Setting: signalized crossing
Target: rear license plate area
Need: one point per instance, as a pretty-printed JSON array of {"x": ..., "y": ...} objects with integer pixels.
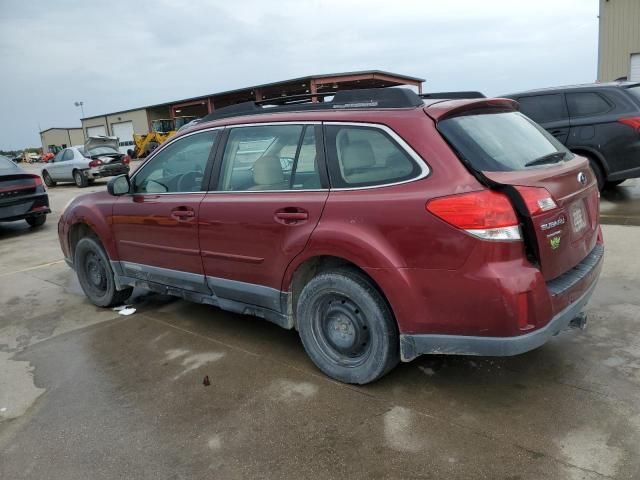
[{"x": 578, "y": 216}]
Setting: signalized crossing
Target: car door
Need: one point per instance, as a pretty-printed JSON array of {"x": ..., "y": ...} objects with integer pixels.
[
  {"x": 66, "y": 165},
  {"x": 155, "y": 226},
  {"x": 268, "y": 196},
  {"x": 53, "y": 168},
  {"x": 550, "y": 111}
]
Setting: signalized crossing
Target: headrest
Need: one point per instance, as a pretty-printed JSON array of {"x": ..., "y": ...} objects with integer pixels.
[
  {"x": 267, "y": 171},
  {"x": 358, "y": 154}
]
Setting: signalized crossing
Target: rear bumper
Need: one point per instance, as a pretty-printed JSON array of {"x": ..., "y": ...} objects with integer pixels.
[
  {"x": 102, "y": 172},
  {"x": 23, "y": 207},
  {"x": 412, "y": 346}
]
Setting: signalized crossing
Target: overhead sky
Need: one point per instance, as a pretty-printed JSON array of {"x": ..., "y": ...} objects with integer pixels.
[{"x": 122, "y": 54}]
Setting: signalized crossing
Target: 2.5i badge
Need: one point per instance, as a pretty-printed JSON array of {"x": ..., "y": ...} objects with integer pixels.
[{"x": 554, "y": 242}]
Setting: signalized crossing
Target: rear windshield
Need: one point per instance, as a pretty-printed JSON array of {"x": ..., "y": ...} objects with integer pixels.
[
  {"x": 502, "y": 142},
  {"x": 7, "y": 164}
]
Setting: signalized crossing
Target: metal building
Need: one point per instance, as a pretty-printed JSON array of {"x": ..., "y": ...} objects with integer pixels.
[
  {"x": 619, "y": 40},
  {"x": 54, "y": 139},
  {"x": 124, "y": 124}
]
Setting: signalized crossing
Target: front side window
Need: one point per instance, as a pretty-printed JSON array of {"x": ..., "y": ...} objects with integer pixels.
[
  {"x": 366, "y": 156},
  {"x": 582, "y": 104},
  {"x": 502, "y": 141},
  {"x": 544, "y": 108},
  {"x": 58, "y": 157},
  {"x": 270, "y": 157},
  {"x": 68, "y": 155},
  {"x": 177, "y": 168}
]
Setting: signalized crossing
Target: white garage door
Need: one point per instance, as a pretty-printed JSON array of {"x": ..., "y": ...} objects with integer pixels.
[
  {"x": 124, "y": 132},
  {"x": 634, "y": 70},
  {"x": 96, "y": 131}
]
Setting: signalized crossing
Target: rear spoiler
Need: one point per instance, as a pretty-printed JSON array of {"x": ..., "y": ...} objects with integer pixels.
[{"x": 452, "y": 108}]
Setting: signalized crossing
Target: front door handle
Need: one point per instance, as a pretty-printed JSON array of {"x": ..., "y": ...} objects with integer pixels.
[
  {"x": 291, "y": 215},
  {"x": 183, "y": 213}
]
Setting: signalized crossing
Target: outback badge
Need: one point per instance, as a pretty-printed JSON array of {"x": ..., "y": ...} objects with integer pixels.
[{"x": 555, "y": 242}]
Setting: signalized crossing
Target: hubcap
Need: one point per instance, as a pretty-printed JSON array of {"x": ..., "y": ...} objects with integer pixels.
[
  {"x": 96, "y": 273},
  {"x": 342, "y": 330}
]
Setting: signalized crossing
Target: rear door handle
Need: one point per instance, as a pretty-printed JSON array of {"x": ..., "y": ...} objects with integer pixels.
[
  {"x": 291, "y": 215},
  {"x": 183, "y": 213}
]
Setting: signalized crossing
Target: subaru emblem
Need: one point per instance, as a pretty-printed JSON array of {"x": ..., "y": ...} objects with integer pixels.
[{"x": 582, "y": 178}]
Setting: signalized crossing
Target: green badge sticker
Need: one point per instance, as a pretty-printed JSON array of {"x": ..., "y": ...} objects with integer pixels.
[{"x": 555, "y": 242}]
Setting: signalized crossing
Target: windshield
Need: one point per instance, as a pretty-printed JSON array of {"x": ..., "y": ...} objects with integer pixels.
[
  {"x": 502, "y": 142},
  {"x": 101, "y": 151}
]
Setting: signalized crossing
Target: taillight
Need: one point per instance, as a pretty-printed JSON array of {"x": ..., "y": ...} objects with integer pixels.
[
  {"x": 537, "y": 199},
  {"x": 37, "y": 180},
  {"x": 485, "y": 214},
  {"x": 95, "y": 163},
  {"x": 633, "y": 122}
]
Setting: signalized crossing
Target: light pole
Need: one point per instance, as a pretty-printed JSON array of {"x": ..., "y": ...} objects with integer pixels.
[{"x": 80, "y": 104}]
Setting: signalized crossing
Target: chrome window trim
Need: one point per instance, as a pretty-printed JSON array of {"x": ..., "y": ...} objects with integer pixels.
[{"x": 422, "y": 164}]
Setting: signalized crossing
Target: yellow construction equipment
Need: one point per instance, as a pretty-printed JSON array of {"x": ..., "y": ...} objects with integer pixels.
[{"x": 161, "y": 130}]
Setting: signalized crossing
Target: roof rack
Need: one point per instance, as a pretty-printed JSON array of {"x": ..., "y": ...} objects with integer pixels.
[
  {"x": 452, "y": 95},
  {"x": 344, "y": 99}
]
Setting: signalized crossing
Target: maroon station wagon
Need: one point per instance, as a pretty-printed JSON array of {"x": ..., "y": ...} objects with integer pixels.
[{"x": 380, "y": 225}]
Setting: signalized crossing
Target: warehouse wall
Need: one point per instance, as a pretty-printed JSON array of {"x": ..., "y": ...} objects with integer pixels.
[
  {"x": 619, "y": 37},
  {"x": 138, "y": 117},
  {"x": 60, "y": 137}
]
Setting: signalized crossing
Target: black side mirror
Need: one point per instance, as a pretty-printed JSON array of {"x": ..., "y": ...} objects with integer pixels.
[{"x": 119, "y": 185}]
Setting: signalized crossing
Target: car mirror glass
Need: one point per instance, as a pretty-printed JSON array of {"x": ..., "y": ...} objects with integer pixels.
[{"x": 119, "y": 185}]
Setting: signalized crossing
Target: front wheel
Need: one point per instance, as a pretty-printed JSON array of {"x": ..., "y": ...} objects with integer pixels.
[
  {"x": 80, "y": 180},
  {"x": 347, "y": 328},
  {"x": 48, "y": 181},
  {"x": 95, "y": 274}
]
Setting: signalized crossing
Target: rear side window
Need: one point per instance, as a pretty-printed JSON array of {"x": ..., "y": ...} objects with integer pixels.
[
  {"x": 270, "y": 157},
  {"x": 68, "y": 155},
  {"x": 544, "y": 108},
  {"x": 366, "y": 156},
  {"x": 582, "y": 104},
  {"x": 501, "y": 142}
]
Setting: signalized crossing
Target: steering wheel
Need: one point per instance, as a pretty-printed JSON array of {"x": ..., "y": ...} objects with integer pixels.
[{"x": 188, "y": 182}]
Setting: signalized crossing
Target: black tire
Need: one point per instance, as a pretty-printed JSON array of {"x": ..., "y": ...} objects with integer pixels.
[
  {"x": 36, "y": 221},
  {"x": 612, "y": 183},
  {"x": 48, "y": 181},
  {"x": 80, "y": 179},
  {"x": 347, "y": 328},
  {"x": 597, "y": 171},
  {"x": 95, "y": 274}
]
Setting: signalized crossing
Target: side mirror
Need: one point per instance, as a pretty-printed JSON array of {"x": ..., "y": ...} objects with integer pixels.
[{"x": 119, "y": 185}]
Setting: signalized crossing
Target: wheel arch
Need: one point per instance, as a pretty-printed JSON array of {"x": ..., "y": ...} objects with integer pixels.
[{"x": 301, "y": 272}]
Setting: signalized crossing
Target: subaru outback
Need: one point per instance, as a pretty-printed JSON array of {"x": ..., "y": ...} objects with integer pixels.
[{"x": 379, "y": 225}]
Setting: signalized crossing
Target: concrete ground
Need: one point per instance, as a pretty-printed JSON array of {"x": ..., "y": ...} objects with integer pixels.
[{"x": 86, "y": 393}]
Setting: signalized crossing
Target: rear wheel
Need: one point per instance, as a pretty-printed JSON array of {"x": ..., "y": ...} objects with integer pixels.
[
  {"x": 48, "y": 181},
  {"x": 37, "y": 221},
  {"x": 95, "y": 274},
  {"x": 80, "y": 180},
  {"x": 346, "y": 327}
]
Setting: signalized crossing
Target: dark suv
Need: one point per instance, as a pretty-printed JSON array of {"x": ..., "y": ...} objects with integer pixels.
[
  {"x": 379, "y": 225},
  {"x": 598, "y": 121}
]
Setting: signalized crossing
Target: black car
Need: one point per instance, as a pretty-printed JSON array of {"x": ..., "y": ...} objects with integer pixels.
[
  {"x": 598, "y": 121},
  {"x": 22, "y": 195}
]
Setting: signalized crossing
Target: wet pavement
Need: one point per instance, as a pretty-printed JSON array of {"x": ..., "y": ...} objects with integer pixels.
[
  {"x": 87, "y": 393},
  {"x": 621, "y": 205}
]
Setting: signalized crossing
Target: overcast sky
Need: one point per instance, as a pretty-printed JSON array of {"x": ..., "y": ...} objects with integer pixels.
[{"x": 120, "y": 54}]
